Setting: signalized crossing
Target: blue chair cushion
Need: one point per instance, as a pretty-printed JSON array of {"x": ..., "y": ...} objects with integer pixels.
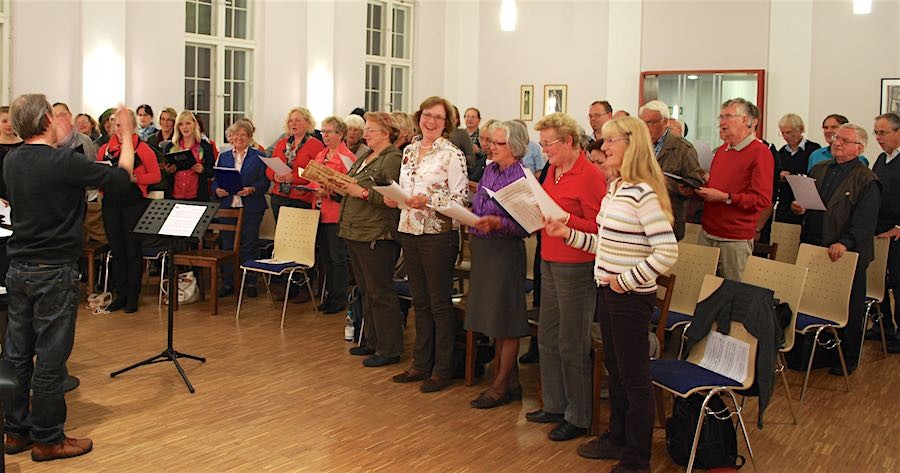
[
  {"x": 270, "y": 267},
  {"x": 681, "y": 376},
  {"x": 674, "y": 318},
  {"x": 805, "y": 321}
]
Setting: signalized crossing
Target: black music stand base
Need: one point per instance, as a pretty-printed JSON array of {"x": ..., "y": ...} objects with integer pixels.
[{"x": 167, "y": 355}]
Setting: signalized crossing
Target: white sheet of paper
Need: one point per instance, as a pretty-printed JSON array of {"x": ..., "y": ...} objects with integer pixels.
[
  {"x": 5, "y": 233},
  {"x": 394, "y": 192},
  {"x": 460, "y": 214},
  {"x": 704, "y": 154},
  {"x": 805, "y": 192},
  {"x": 5, "y": 212},
  {"x": 726, "y": 356},
  {"x": 276, "y": 165},
  {"x": 549, "y": 207},
  {"x": 518, "y": 201},
  {"x": 182, "y": 220}
]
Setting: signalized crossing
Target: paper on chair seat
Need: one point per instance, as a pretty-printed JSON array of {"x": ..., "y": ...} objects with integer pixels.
[
  {"x": 726, "y": 356},
  {"x": 274, "y": 261}
]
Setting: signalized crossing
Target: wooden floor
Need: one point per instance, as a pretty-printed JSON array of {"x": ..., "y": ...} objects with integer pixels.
[{"x": 294, "y": 400}]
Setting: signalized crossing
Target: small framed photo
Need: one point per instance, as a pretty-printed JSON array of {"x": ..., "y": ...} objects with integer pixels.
[
  {"x": 526, "y": 103},
  {"x": 890, "y": 95},
  {"x": 556, "y": 97}
]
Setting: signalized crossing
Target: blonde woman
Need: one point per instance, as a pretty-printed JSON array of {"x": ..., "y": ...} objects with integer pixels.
[
  {"x": 635, "y": 243},
  {"x": 193, "y": 183},
  {"x": 296, "y": 149},
  {"x": 407, "y": 129}
]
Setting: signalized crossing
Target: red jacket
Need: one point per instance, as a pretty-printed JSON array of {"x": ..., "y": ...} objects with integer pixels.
[
  {"x": 747, "y": 175},
  {"x": 145, "y": 174},
  {"x": 340, "y": 161},
  {"x": 310, "y": 149},
  {"x": 579, "y": 191}
]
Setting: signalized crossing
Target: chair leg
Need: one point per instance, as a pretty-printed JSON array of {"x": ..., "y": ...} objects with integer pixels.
[
  {"x": 660, "y": 407},
  {"x": 91, "y": 269},
  {"x": 742, "y": 426},
  {"x": 841, "y": 358},
  {"x": 470, "y": 357},
  {"x": 214, "y": 288},
  {"x": 881, "y": 326},
  {"x": 812, "y": 355},
  {"x": 237, "y": 314},
  {"x": 700, "y": 419},
  {"x": 266, "y": 280},
  {"x": 787, "y": 389},
  {"x": 287, "y": 290},
  {"x": 162, "y": 275},
  {"x": 312, "y": 294}
]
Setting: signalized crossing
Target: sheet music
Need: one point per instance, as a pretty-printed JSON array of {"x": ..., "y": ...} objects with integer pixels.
[
  {"x": 460, "y": 214},
  {"x": 394, "y": 192},
  {"x": 704, "y": 154},
  {"x": 182, "y": 220},
  {"x": 726, "y": 356},
  {"x": 5, "y": 214},
  {"x": 276, "y": 165},
  {"x": 805, "y": 192},
  {"x": 549, "y": 207},
  {"x": 5, "y": 232},
  {"x": 518, "y": 201}
]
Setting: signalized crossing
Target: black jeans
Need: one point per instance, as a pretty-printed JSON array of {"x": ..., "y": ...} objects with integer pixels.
[
  {"x": 429, "y": 261},
  {"x": 125, "y": 245},
  {"x": 249, "y": 250},
  {"x": 373, "y": 267},
  {"x": 624, "y": 319},
  {"x": 43, "y": 302},
  {"x": 333, "y": 253},
  {"x": 891, "y": 320},
  {"x": 278, "y": 202},
  {"x": 852, "y": 334}
]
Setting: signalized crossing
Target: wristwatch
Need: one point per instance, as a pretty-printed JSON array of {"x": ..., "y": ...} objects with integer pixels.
[
  {"x": 728, "y": 199},
  {"x": 365, "y": 194}
]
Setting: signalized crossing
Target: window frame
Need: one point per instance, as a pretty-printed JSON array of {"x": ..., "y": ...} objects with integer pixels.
[
  {"x": 387, "y": 61},
  {"x": 5, "y": 51}
]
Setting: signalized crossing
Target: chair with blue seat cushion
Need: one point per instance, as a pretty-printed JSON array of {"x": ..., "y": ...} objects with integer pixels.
[
  {"x": 825, "y": 301},
  {"x": 294, "y": 252},
  {"x": 875, "y": 286},
  {"x": 689, "y": 376}
]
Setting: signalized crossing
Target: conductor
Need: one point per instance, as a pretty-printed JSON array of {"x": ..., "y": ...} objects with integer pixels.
[{"x": 45, "y": 185}]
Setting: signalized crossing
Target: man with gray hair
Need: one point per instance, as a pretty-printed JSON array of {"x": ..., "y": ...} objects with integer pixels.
[
  {"x": 887, "y": 168},
  {"x": 738, "y": 190},
  {"x": 675, "y": 155},
  {"x": 852, "y": 196},
  {"x": 792, "y": 158},
  {"x": 45, "y": 185}
]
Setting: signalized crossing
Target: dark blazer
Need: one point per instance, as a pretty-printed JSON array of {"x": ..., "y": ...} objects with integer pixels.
[
  {"x": 253, "y": 174},
  {"x": 678, "y": 156},
  {"x": 209, "y": 159}
]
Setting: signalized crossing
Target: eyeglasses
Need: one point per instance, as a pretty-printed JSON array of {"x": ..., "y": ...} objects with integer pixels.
[
  {"x": 498, "y": 143},
  {"x": 326, "y": 132},
  {"x": 727, "y": 116},
  {"x": 436, "y": 118},
  {"x": 614, "y": 140},
  {"x": 846, "y": 141},
  {"x": 372, "y": 130},
  {"x": 547, "y": 144},
  {"x": 884, "y": 132}
]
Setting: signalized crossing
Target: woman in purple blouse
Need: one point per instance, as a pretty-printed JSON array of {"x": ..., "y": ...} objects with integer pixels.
[{"x": 496, "y": 305}]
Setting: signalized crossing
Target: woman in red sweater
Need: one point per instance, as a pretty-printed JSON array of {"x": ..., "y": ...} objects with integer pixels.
[
  {"x": 296, "y": 150},
  {"x": 121, "y": 213}
]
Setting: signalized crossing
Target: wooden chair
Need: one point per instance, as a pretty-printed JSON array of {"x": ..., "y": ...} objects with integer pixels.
[
  {"x": 875, "y": 286},
  {"x": 787, "y": 237},
  {"x": 91, "y": 251},
  {"x": 212, "y": 258},
  {"x": 692, "y": 233},
  {"x": 787, "y": 282},
  {"x": 294, "y": 251},
  {"x": 683, "y": 378},
  {"x": 768, "y": 251},
  {"x": 694, "y": 262},
  {"x": 825, "y": 301}
]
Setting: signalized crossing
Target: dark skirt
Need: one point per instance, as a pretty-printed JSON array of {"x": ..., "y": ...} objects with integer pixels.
[{"x": 496, "y": 302}]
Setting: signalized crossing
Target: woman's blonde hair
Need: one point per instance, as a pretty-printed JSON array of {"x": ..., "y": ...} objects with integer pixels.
[
  {"x": 176, "y": 134},
  {"x": 305, "y": 113},
  {"x": 639, "y": 163},
  {"x": 564, "y": 124}
]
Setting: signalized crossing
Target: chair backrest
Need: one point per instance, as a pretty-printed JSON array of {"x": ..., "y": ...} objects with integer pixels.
[
  {"x": 694, "y": 262},
  {"x": 826, "y": 294},
  {"x": 218, "y": 226},
  {"x": 295, "y": 235},
  {"x": 692, "y": 233},
  {"x": 877, "y": 269},
  {"x": 786, "y": 280},
  {"x": 737, "y": 330},
  {"x": 769, "y": 251},
  {"x": 530, "y": 247},
  {"x": 787, "y": 237},
  {"x": 665, "y": 284}
]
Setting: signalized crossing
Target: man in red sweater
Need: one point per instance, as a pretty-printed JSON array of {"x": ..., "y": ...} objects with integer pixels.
[{"x": 738, "y": 190}]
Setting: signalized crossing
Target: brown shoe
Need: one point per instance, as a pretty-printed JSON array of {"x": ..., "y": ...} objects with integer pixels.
[
  {"x": 42, "y": 452},
  {"x": 435, "y": 384},
  {"x": 601, "y": 448},
  {"x": 410, "y": 376},
  {"x": 15, "y": 444}
]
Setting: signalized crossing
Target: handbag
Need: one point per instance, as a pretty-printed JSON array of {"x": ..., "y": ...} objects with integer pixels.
[
  {"x": 188, "y": 292},
  {"x": 97, "y": 303},
  {"x": 717, "y": 446}
]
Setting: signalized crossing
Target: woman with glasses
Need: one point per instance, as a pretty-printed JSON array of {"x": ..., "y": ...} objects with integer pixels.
[
  {"x": 496, "y": 305},
  {"x": 568, "y": 293},
  {"x": 166, "y": 128},
  {"x": 369, "y": 228},
  {"x": 192, "y": 183},
  {"x": 635, "y": 243},
  {"x": 434, "y": 174},
  {"x": 86, "y": 125},
  {"x": 296, "y": 150},
  {"x": 484, "y": 155}
]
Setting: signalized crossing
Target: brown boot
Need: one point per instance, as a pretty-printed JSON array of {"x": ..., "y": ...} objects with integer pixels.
[
  {"x": 42, "y": 452},
  {"x": 15, "y": 444}
]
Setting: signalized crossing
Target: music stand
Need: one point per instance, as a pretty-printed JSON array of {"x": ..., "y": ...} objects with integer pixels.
[{"x": 151, "y": 223}]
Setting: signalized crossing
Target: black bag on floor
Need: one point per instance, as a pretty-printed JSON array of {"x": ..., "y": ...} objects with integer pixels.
[
  {"x": 718, "y": 439},
  {"x": 798, "y": 357}
]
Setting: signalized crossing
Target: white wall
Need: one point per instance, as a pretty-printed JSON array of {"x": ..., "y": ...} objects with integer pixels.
[
  {"x": 154, "y": 55},
  {"x": 46, "y": 49}
]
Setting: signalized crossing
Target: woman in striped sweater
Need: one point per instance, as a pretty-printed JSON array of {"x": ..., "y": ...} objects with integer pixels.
[{"x": 634, "y": 245}]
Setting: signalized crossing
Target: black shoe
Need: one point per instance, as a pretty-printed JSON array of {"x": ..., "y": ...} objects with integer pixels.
[
  {"x": 252, "y": 291},
  {"x": 226, "y": 291},
  {"x": 837, "y": 371},
  {"x": 362, "y": 351},
  {"x": 566, "y": 431},
  {"x": 117, "y": 304},
  {"x": 131, "y": 307},
  {"x": 543, "y": 417},
  {"x": 530, "y": 357},
  {"x": 324, "y": 305},
  {"x": 334, "y": 309},
  {"x": 874, "y": 333},
  {"x": 601, "y": 448},
  {"x": 375, "y": 361},
  {"x": 893, "y": 346}
]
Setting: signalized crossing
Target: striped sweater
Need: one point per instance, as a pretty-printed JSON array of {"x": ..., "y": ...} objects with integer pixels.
[{"x": 635, "y": 242}]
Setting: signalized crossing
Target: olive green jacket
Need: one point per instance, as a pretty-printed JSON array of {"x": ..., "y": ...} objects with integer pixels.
[{"x": 370, "y": 220}]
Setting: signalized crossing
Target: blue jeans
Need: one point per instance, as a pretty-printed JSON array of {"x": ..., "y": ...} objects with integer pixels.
[{"x": 43, "y": 302}]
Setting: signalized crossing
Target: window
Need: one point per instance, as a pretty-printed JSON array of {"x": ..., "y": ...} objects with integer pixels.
[
  {"x": 218, "y": 62},
  {"x": 4, "y": 51},
  {"x": 388, "y": 55}
]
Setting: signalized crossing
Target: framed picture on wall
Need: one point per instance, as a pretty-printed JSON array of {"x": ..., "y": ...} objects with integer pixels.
[
  {"x": 526, "y": 103},
  {"x": 555, "y": 98},
  {"x": 890, "y": 95}
]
